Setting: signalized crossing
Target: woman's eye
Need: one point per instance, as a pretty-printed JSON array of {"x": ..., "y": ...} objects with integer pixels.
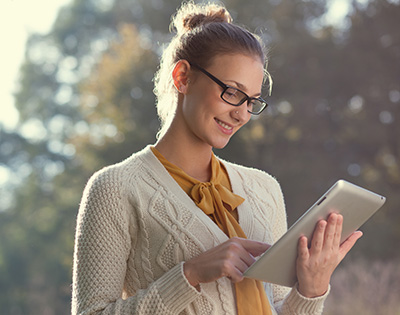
[{"x": 232, "y": 93}]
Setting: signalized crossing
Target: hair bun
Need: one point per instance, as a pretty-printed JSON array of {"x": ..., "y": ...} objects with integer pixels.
[{"x": 191, "y": 15}]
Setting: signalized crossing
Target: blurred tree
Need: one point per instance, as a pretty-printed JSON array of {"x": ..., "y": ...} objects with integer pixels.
[
  {"x": 335, "y": 117},
  {"x": 85, "y": 101},
  {"x": 369, "y": 98},
  {"x": 117, "y": 101},
  {"x": 334, "y": 110}
]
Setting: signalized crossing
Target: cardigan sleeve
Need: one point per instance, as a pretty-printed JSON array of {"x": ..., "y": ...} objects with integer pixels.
[{"x": 102, "y": 246}]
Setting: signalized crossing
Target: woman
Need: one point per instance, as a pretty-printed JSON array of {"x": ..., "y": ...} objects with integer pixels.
[{"x": 171, "y": 229}]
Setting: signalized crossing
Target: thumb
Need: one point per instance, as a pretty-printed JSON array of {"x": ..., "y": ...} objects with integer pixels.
[{"x": 349, "y": 243}]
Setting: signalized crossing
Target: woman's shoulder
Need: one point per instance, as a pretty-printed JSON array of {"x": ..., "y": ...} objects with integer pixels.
[
  {"x": 252, "y": 178},
  {"x": 119, "y": 173},
  {"x": 250, "y": 173}
]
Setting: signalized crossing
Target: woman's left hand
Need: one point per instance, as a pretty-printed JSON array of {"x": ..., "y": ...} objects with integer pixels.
[{"x": 315, "y": 265}]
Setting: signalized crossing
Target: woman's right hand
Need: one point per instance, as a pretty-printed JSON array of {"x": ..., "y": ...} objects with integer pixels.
[{"x": 229, "y": 259}]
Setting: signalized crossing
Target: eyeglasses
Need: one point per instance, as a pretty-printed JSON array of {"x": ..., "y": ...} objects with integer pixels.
[{"x": 236, "y": 97}]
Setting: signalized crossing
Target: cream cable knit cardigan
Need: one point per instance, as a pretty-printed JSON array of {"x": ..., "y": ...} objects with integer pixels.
[{"x": 136, "y": 227}]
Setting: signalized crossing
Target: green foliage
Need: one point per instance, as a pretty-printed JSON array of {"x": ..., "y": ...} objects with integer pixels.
[
  {"x": 117, "y": 102},
  {"x": 85, "y": 101}
]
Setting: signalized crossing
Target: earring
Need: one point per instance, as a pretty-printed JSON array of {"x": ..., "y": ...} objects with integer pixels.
[{"x": 237, "y": 112}]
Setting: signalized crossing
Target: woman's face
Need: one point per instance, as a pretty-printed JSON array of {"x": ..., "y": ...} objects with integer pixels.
[{"x": 207, "y": 117}]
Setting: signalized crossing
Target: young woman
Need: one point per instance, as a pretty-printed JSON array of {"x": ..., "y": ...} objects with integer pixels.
[{"x": 171, "y": 229}]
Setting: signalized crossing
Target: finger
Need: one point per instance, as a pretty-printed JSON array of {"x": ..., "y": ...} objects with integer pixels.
[
  {"x": 318, "y": 237},
  {"x": 348, "y": 244},
  {"x": 237, "y": 254},
  {"x": 302, "y": 249},
  {"x": 234, "y": 270},
  {"x": 338, "y": 233},
  {"x": 330, "y": 231},
  {"x": 243, "y": 264},
  {"x": 255, "y": 248},
  {"x": 236, "y": 276}
]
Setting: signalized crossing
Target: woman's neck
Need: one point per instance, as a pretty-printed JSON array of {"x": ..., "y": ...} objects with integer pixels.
[{"x": 193, "y": 157}]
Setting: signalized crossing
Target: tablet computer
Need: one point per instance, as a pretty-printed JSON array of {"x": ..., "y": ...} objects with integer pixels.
[{"x": 356, "y": 205}]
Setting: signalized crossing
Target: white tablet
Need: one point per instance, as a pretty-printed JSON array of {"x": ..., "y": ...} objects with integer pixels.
[{"x": 356, "y": 205}]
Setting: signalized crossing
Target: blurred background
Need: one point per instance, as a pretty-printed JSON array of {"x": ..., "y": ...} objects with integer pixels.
[{"x": 77, "y": 96}]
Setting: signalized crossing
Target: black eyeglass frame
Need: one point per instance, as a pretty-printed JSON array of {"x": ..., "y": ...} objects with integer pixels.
[{"x": 225, "y": 87}]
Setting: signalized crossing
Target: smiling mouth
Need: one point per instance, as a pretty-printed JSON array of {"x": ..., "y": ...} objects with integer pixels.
[{"x": 222, "y": 124}]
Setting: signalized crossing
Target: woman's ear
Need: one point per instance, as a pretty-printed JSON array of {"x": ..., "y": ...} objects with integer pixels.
[{"x": 180, "y": 75}]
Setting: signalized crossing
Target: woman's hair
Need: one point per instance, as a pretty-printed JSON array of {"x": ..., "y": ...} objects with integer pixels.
[{"x": 203, "y": 31}]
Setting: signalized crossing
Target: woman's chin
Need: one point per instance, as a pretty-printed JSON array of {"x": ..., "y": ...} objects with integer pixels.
[{"x": 220, "y": 145}]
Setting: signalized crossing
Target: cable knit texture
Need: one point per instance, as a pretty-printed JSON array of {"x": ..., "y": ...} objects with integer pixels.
[{"x": 136, "y": 227}]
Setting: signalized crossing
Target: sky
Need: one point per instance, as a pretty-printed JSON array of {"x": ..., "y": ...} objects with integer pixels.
[{"x": 19, "y": 18}]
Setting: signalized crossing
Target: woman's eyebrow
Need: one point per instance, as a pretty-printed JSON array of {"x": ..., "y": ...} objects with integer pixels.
[{"x": 242, "y": 87}]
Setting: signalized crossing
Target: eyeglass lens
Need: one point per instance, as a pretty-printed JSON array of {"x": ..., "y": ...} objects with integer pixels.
[{"x": 236, "y": 97}]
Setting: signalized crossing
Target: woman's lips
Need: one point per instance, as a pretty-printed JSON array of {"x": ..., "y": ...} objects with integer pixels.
[{"x": 224, "y": 127}]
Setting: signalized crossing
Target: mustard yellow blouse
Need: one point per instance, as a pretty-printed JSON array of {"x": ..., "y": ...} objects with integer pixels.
[{"x": 216, "y": 199}]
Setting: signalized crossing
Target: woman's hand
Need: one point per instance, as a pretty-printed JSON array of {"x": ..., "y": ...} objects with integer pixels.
[
  {"x": 229, "y": 259},
  {"x": 316, "y": 265}
]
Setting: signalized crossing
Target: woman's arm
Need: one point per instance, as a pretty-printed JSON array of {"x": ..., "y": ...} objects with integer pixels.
[{"x": 102, "y": 247}]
